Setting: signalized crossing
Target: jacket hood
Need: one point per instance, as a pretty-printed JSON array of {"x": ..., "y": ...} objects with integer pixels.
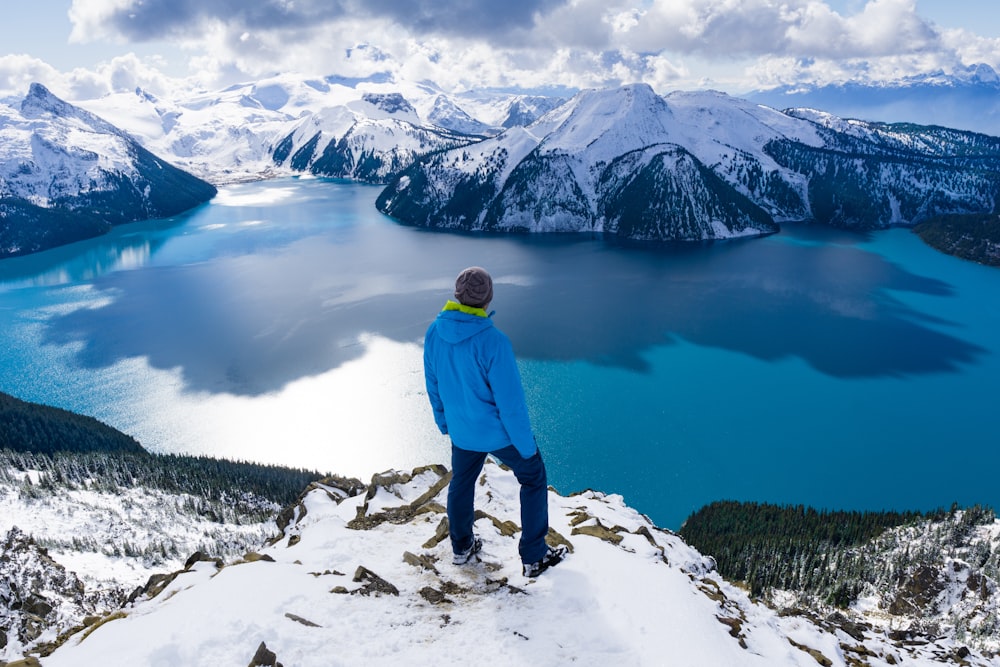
[{"x": 457, "y": 322}]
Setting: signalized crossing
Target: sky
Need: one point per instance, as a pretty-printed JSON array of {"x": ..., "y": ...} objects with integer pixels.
[{"x": 83, "y": 49}]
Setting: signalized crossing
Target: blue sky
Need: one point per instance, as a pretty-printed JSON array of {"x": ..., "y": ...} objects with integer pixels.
[{"x": 83, "y": 48}]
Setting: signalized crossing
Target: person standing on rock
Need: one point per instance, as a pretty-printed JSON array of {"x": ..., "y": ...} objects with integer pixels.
[{"x": 475, "y": 391}]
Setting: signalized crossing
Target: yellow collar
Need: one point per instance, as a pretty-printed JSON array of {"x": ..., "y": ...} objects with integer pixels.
[{"x": 461, "y": 307}]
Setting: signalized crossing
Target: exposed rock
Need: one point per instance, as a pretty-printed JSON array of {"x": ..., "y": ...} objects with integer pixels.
[
  {"x": 37, "y": 593},
  {"x": 597, "y": 529},
  {"x": 201, "y": 557},
  {"x": 337, "y": 488},
  {"x": 817, "y": 655},
  {"x": 917, "y": 591},
  {"x": 366, "y": 519},
  {"x": 554, "y": 539},
  {"x": 735, "y": 626},
  {"x": 433, "y": 595},
  {"x": 303, "y": 621},
  {"x": 253, "y": 557},
  {"x": 158, "y": 582},
  {"x": 423, "y": 561},
  {"x": 710, "y": 588},
  {"x": 854, "y": 629},
  {"x": 373, "y": 584},
  {"x": 506, "y": 528},
  {"x": 264, "y": 657},
  {"x": 439, "y": 535},
  {"x": 26, "y": 662}
]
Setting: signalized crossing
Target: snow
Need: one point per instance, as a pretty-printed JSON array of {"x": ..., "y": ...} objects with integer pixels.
[
  {"x": 647, "y": 600},
  {"x": 49, "y": 150},
  {"x": 138, "y": 518}
]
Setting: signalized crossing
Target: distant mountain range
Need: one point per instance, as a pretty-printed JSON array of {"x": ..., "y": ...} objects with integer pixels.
[
  {"x": 968, "y": 99},
  {"x": 624, "y": 162},
  {"x": 360, "y": 129}
]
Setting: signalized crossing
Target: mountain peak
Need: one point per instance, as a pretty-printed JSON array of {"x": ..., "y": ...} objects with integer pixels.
[
  {"x": 40, "y": 100},
  {"x": 391, "y": 103},
  {"x": 617, "y": 120},
  {"x": 983, "y": 73}
]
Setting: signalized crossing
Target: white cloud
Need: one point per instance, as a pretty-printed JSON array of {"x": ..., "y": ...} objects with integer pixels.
[
  {"x": 971, "y": 49},
  {"x": 18, "y": 71},
  {"x": 123, "y": 73},
  {"x": 727, "y": 28},
  {"x": 741, "y": 44}
]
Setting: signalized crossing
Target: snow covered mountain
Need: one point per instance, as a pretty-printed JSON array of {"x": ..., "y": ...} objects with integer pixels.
[
  {"x": 694, "y": 166},
  {"x": 222, "y": 136},
  {"x": 968, "y": 99},
  {"x": 67, "y": 175},
  {"x": 685, "y": 166},
  {"x": 367, "y": 140},
  {"x": 266, "y": 128},
  {"x": 362, "y": 574}
]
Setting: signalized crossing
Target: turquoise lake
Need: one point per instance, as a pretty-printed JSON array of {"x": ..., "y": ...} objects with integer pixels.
[{"x": 282, "y": 323}]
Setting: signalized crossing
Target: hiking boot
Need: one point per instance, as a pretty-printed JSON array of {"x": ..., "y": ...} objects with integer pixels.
[
  {"x": 465, "y": 556},
  {"x": 551, "y": 558}
]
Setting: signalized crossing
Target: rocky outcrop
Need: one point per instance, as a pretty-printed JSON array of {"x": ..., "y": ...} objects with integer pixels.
[
  {"x": 264, "y": 657},
  {"x": 38, "y": 594}
]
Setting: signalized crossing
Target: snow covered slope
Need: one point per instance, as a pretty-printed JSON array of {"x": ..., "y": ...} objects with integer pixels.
[
  {"x": 368, "y": 140},
  {"x": 232, "y": 134},
  {"x": 66, "y": 175},
  {"x": 366, "y": 578},
  {"x": 222, "y": 136},
  {"x": 694, "y": 166}
]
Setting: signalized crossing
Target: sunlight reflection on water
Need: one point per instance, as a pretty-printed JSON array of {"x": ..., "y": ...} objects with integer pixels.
[
  {"x": 367, "y": 416},
  {"x": 263, "y": 197}
]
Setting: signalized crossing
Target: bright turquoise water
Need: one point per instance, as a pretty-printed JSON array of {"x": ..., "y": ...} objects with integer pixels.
[{"x": 282, "y": 321}]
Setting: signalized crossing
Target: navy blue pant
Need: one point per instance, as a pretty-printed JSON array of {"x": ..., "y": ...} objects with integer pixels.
[{"x": 530, "y": 473}]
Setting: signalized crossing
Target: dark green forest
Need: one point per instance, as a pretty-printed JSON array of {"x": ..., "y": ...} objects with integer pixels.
[
  {"x": 972, "y": 237},
  {"x": 827, "y": 554},
  {"x": 75, "y": 449},
  {"x": 32, "y": 427}
]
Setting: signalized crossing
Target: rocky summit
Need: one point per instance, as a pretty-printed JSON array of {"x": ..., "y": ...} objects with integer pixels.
[{"x": 362, "y": 574}]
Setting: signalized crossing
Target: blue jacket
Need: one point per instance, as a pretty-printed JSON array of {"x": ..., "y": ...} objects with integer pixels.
[{"x": 473, "y": 382}]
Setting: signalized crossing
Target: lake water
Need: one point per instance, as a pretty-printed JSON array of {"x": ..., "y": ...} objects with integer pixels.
[{"x": 282, "y": 323}]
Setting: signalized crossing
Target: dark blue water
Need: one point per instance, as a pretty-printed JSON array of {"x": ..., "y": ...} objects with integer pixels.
[{"x": 282, "y": 323}]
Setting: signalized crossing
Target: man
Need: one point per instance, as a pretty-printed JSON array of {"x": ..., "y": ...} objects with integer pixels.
[{"x": 478, "y": 401}]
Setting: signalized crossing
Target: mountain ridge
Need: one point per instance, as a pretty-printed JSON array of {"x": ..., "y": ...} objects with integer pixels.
[
  {"x": 735, "y": 170},
  {"x": 772, "y": 164},
  {"x": 68, "y": 175}
]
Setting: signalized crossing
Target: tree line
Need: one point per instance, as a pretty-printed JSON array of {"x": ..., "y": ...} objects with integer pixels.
[
  {"x": 71, "y": 449},
  {"x": 826, "y": 554}
]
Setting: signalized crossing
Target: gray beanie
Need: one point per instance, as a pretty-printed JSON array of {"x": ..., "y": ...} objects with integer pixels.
[{"x": 474, "y": 287}]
